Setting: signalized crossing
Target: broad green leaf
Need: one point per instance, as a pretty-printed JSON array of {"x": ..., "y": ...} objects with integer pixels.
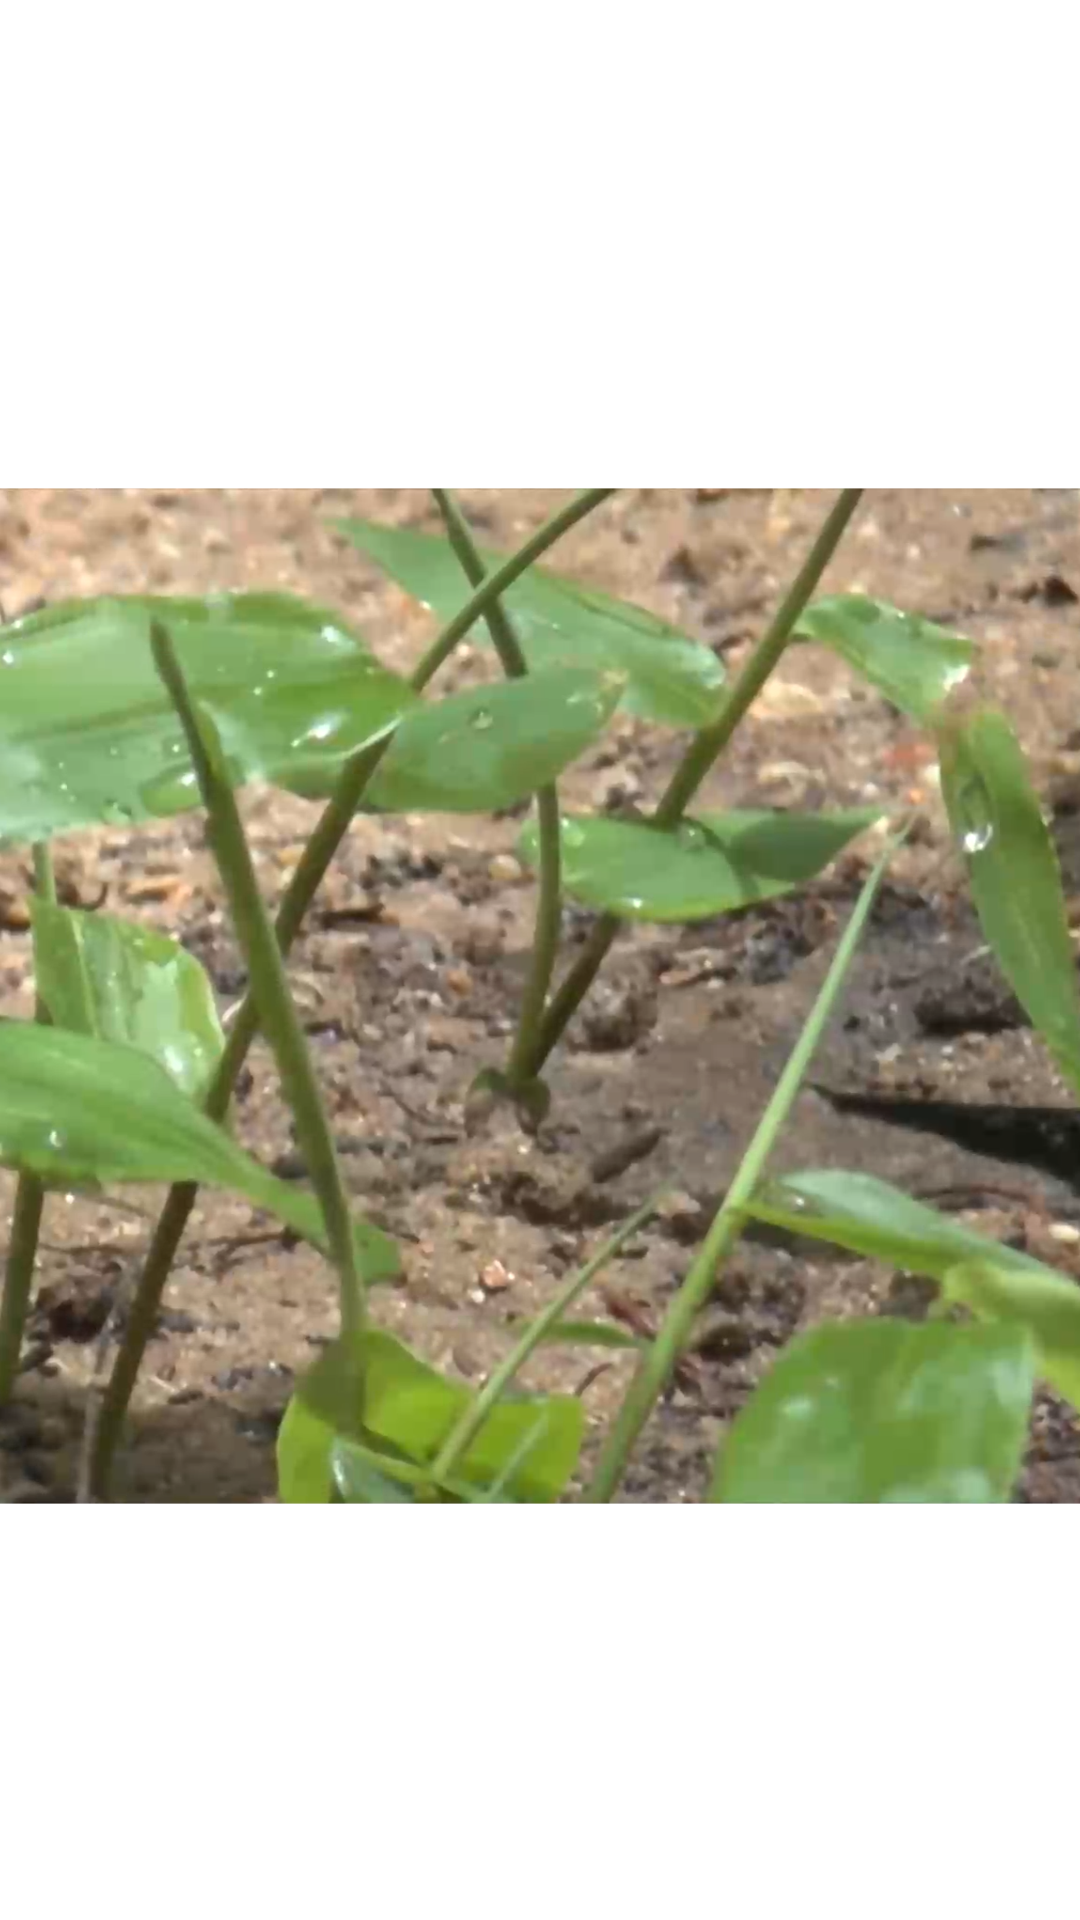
[
  {"x": 669, "y": 678},
  {"x": 88, "y": 734},
  {"x": 1014, "y": 874},
  {"x": 100, "y": 975},
  {"x": 914, "y": 663},
  {"x": 870, "y": 1217},
  {"x": 492, "y": 746},
  {"x": 708, "y": 865},
  {"x": 409, "y": 1407},
  {"x": 76, "y": 1109},
  {"x": 1046, "y": 1304},
  {"x": 878, "y": 1411}
]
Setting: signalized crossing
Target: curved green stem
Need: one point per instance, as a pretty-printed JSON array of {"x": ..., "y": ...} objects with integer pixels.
[
  {"x": 701, "y": 755},
  {"x": 464, "y": 1433},
  {"x": 545, "y": 951},
  {"x": 659, "y": 1363},
  {"x": 306, "y": 881},
  {"x": 29, "y": 1203}
]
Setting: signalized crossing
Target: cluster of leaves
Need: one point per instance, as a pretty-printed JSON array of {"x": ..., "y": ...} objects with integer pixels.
[{"x": 124, "y": 710}]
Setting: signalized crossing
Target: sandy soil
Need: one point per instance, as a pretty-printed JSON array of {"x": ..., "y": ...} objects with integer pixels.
[{"x": 409, "y": 972}]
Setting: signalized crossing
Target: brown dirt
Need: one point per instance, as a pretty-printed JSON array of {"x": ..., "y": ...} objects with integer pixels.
[{"x": 409, "y": 973}]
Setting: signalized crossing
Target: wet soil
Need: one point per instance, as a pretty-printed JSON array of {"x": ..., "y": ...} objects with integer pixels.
[{"x": 409, "y": 973}]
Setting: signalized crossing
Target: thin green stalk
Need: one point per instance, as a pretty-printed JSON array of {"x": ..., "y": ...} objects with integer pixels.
[
  {"x": 269, "y": 982},
  {"x": 545, "y": 950},
  {"x": 659, "y": 1363},
  {"x": 29, "y": 1201},
  {"x": 464, "y": 1433},
  {"x": 701, "y": 755},
  {"x": 306, "y": 881}
]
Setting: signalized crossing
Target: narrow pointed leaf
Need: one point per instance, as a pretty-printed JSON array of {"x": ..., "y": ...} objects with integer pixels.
[
  {"x": 668, "y": 677},
  {"x": 489, "y": 747},
  {"x": 409, "y": 1407},
  {"x": 88, "y": 734},
  {"x": 879, "y": 1412},
  {"x": 870, "y": 1217},
  {"x": 708, "y": 865},
  {"x": 76, "y": 1109},
  {"x": 1014, "y": 872},
  {"x": 914, "y": 663},
  {"x": 587, "y": 1333},
  {"x": 108, "y": 977},
  {"x": 1046, "y": 1305}
]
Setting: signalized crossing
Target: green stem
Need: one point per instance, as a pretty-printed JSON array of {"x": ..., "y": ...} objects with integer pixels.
[
  {"x": 464, "y": 1433},
  {"x": 545, "y": 950},
  {"x": 305, "y": 883},
  {"x": 659, "y": 1363},
  {"x": 524, "y": 1062},
  {"x": 29, "y": 1200},
  {"x": 269, "y": 982},
  {"x": 701, "y": 755}
]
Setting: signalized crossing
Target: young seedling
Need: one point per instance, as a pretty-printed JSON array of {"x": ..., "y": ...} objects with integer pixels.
[{"x": 252, "y": 680}]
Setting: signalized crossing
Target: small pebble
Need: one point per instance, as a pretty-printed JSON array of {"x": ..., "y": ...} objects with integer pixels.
[
  {"x": 505, "y": 869},
  {"x": 1064, "y": 1233}
]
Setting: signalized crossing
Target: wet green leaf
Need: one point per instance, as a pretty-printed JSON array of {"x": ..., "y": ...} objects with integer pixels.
[
  {"x": 100, "y": 975},
  {"x": 1015, "y": 879},
  {"x": 877, "y": 1411},
  {"x": 868, "y": 1216},
  {"x": 668, "y": 677},
  {"x": 75, "y": 1109},
  {"x": 1046, "y": 1304},
  {"x": 489, "y": 747},
  {"x": 406, "y": 1406},
  {"x": 914, "y": 663},
  {"x": 708, "y": 865},
  {"x": 359, "y": 1481},
  {"x": 88, "y": 733}
]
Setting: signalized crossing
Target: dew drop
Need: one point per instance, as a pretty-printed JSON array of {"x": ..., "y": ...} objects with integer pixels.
[
  {"x": 7, "y": 657},
  {"x": 482, "y": 720},
  {"x": 977, "y": 839},
  {"x": 55, "y": 1139},
  {"x": 573, "y": 834},
  {"x": 692, "y": 837}
]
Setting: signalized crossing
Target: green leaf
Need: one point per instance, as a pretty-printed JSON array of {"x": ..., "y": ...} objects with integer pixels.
[
  {"x": 100, "y": 975},
  {"x": 877, "y": 1412},
  {"x": 914, "y": 663},
  {"x": 489, "y": 747},
  {"x": 705, "y": 866},
  {"x": 669, "y": 678},
  {"x": 869, "y": 1217},
  {"x": 592, "y": 1333},
  {"x": 1046, "y": 1304},
  {"x": 359, "y": 1482},
  {"x": 76, "y": 1109},
  {"x": 1014, "y": 874},
  {"x": 374, "y": 1391},
  {"x": 88, "y": 733}
]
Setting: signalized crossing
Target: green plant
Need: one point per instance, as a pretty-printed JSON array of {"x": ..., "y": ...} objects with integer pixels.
[{"x": 127, "y": 1075}]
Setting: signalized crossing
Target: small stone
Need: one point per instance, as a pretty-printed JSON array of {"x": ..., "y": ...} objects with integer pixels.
[
  {"x": 506, "y": 870},
  {"x": 496, "y": 1278},
  {"x": 1064, "y": 1233},
  {"x": 459, "y": 980}
]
